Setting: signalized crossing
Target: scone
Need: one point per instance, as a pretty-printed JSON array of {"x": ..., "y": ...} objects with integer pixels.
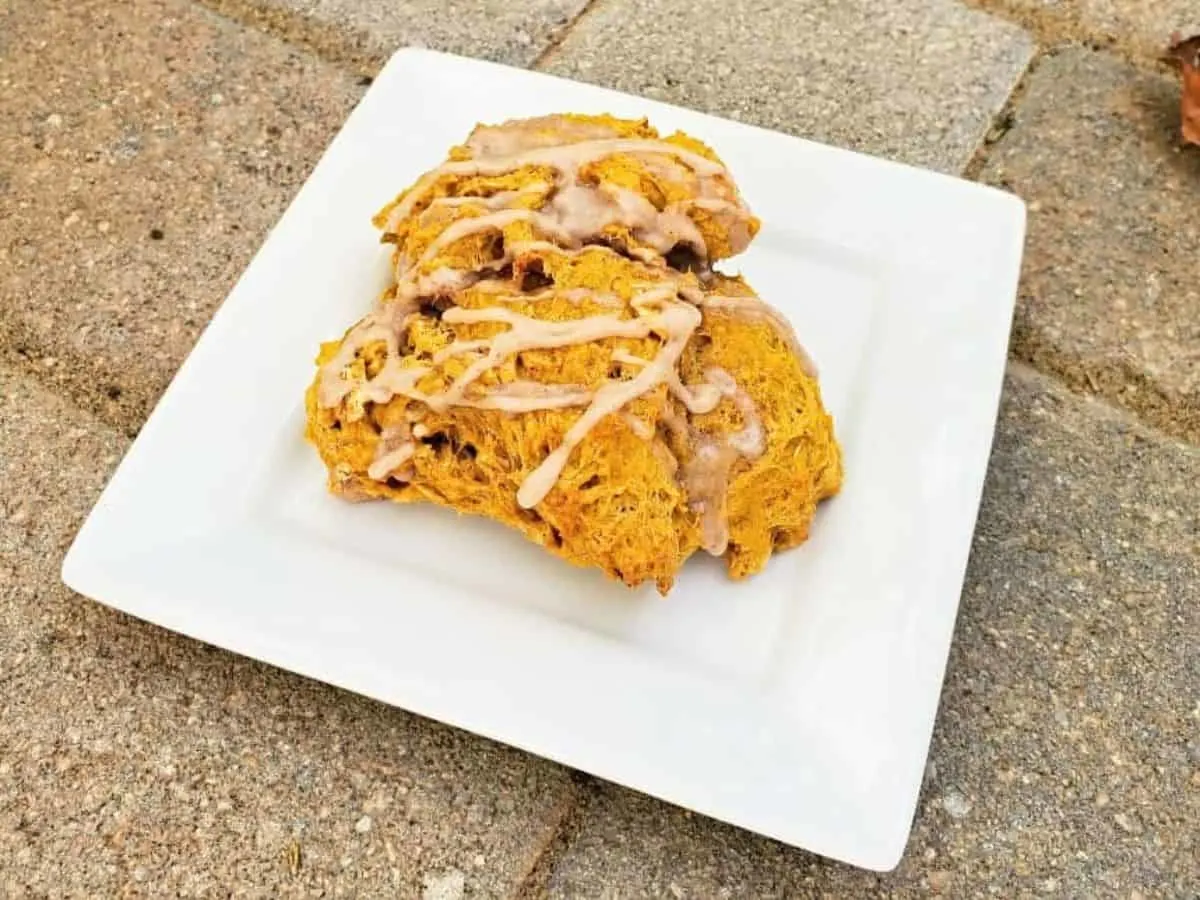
[{"x": 556, "y": 352}]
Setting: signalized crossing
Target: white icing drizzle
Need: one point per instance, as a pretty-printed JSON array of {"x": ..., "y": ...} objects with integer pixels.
[
  {"x": 408, "y": 282},
  {"x": 526, "y": 134},
  {"x": 459, "y": 348},
  {"x": 564, "y": 159},
  {"x": 527, "y": 333},
  {"x": 621, "y": 355},
  {"x": 640, "y": 427},
  {"x": 698, "y": 398},
  {"x": 528, "y": 396},
  {"x": 394, "y": 449},
  {"x": 706, "y": 482},
  {"x": 591, "y": 209},
  {"x": 677, "y": 321},
  {"x": 750, "y": 440},
  {"x": 587, "y": 295},
  {"x": 446, "y": 281},
  {"x": 506, "y": 292},
  {"x": 394, "y": 379},
  {"x": 499, "y": 200},
  {"x": 384, "y": 464},
  {"x": 382, "y": 325},
  {"x": 705, "y": 475},
  {"x": 575, "y": 215},
  {"x": 735, "y": 217}
]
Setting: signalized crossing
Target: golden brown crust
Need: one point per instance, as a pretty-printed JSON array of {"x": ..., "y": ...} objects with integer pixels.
[{"x": 620, "y": 503}]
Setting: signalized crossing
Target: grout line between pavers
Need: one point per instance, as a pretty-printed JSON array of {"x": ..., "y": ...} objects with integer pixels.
[
  {"x": 1122, "y": 387},
  {"x": 1102, "y": 405},
  {"x": 1005, "y": 118},
  {"x": 1062, "y": 24},
  {"x": 348, "y": 49},
  {"x": 557, "y": 40},
  {"x": 1053, "y": 30},
  {"x": 536, "y": 883},
  {"x": 74, "y": 380}
]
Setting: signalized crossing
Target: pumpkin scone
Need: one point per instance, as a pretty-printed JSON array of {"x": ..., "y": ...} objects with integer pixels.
[{"x": 556, "y": 352}]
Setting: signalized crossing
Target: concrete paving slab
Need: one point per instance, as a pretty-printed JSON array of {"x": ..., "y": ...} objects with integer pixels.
[
  {"x": 1136, "y": 28},
  {"x": 145, "y": 150},
  {"x": 1110, "y": 298},
  {"x": 1066, "y": 759},
  {"x": 367, "y": 32},
  {"x": 913, "y": 80},
  {"x": 137, "y": 763}
]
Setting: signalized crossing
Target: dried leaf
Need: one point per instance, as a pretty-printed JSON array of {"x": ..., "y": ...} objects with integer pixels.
[{"x": 1186, "y": 53}]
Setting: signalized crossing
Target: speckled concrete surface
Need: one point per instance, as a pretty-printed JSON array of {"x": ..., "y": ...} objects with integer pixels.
[
  {"x": 915, "y": 80},
  {"x": 369, "y": 31},
  {"x": 1110, "y": 298},
  {"x": 136, "y": 763},
  {"x": 147, "y": 146},
  {"x": 1140, "y": 28},
  {"x": 145, "y": 149},
  {"x": 1066, "y": 759},
  {"x": 1150, "y": 22}
]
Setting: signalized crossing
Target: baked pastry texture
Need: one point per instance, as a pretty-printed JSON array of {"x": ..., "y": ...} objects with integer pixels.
[{"x": 556, "y": 352}]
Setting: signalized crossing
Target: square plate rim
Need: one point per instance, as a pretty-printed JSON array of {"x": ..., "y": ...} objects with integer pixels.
[{"x": 89, "y": 571}]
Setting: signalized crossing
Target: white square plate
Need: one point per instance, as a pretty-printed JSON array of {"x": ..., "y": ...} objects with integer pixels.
[{"x": 798, "y": 704}]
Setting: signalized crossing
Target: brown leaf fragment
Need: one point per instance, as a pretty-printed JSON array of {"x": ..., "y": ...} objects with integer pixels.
[{"x": 1185, "y": 52}]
